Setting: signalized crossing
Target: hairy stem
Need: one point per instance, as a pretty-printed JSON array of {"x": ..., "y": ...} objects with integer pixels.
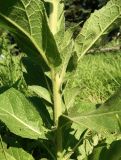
[
  {"x": 57, "y": 110},
  {"x": 53, "y": 18}
]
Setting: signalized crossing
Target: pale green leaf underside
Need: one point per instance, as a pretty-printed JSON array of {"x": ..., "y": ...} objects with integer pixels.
[
  {"x": 13, "y": 153},
  {"x": 41, "y": 92},
  {"x": 104, "y": 120},
  {"x": 26, "y": 19},
  {"x": 20, "y": 115},
  {"x": 96, "y": 26}
]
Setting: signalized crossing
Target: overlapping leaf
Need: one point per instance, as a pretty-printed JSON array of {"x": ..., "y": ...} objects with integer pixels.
[
  {"x": 20, "y": 115},
  {"x": 96, "y": 26},
  {"x": 26, "y": 19}
]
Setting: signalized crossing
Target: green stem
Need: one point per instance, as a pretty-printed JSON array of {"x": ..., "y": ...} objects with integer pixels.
[
  {"x": 53, "y": 18},
  {"x": 57, "y": 99},
  {"x": 57, "y": 110}
]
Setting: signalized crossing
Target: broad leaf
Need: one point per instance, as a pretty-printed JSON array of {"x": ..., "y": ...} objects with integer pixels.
[
  {"x": 13, "y": 153},
  {"x": 96, "y": 26},
  {"x": 104, "y": 119},
  {"x": 41, "y": 92},
  {"x": 20, "y": 115},
  {"x": 27, "y": 21}
]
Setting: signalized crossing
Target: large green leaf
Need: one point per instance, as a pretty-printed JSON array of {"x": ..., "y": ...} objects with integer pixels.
[
  {"x": 105, "y": 119},
  {"x": 13, "y": 153},
  {"x": 20, "y": 115},
  {"x": 97, "y": 25},
  {"x": 27, "y": 21}
]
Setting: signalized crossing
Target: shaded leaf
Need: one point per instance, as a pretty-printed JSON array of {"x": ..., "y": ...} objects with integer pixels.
[
  {"x": 31, "y": 77},
  {"x": 102, "y": 153},
  {"x": 114, "y": 152},
  {"x": 44, "y": 111},
  {"x": 13, "y": 153},
  {"x": 97, "y": 154}
]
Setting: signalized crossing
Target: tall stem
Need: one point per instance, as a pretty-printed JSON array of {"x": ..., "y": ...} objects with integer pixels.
[
  {"x": 57, "y": 110},
  {"x": 57, "y": 99},
  {"x": 53, "y": 18}
]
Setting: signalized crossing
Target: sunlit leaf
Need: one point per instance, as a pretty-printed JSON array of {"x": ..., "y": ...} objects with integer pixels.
[
  {"x": 104, "y": 119},
  {"x": 20, "y": 116},
  {"x": 97, "y": 25}
]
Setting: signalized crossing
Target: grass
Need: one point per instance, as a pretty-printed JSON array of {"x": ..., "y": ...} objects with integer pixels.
[{"x": 99, "y": 76}]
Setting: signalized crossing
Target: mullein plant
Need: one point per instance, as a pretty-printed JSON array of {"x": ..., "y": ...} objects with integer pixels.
[{"x": 52, "y": 121}]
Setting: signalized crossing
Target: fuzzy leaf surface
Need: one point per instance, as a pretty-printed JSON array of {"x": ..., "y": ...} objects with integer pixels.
[
  {"x": 97, "y": 25},
  {"x": 104, "y": 120},
  {"x": 20, "y": 116},
  {"x": 27, "y": 21}
]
